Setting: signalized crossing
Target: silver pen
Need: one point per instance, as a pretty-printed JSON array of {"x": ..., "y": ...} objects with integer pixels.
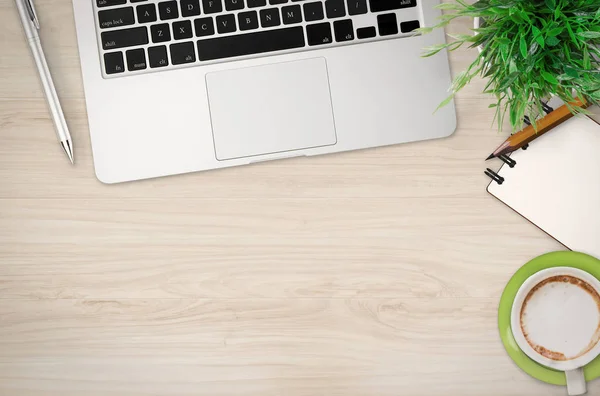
[{"x": 31, "y": 25}]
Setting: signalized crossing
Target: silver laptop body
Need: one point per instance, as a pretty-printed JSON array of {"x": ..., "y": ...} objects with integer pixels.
[{"x": 181, "y": 86}]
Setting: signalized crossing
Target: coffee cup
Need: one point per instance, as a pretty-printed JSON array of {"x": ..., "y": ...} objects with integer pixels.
[{"x": 555, "y": 320}]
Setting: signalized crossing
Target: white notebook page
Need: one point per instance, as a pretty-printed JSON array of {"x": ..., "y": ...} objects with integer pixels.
[{"x": 556, "y": 184}]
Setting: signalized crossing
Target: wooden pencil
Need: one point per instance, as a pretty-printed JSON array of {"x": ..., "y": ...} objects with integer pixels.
[{"x": 529, "y": 134}]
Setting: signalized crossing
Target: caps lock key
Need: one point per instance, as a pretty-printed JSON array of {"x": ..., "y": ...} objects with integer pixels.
[{"x": 116, "y": 17}]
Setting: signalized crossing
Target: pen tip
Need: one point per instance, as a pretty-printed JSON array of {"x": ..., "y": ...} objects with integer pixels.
[
  {"x": 66, "y": 145},
  {"x": 490, "y": 157}
]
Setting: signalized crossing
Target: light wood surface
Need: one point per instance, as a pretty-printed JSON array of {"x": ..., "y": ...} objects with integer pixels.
[{"x": 369, "y": 273}]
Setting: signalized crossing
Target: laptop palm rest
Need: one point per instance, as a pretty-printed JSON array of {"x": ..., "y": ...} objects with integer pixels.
[{"x": 271, "y": 109}]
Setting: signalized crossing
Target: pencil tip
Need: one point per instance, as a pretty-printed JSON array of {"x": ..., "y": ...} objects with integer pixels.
[{"x": 490, "y": 157}]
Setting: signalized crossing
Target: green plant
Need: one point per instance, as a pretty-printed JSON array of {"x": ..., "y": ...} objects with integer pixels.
[{"x": 531, "y": 50}]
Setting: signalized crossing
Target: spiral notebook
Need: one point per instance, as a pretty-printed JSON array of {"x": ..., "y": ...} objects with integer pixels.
[{"x": 555, "y": 184}]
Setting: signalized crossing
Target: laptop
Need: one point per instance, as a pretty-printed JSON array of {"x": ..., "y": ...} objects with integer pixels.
[{"x": 177, "y": 86}]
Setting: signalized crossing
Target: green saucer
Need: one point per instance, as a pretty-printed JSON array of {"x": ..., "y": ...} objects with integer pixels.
[{"x": 550, "y": 260}]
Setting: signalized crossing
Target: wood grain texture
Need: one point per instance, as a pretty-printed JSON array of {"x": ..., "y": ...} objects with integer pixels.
[{"x": 376, "y": 272}]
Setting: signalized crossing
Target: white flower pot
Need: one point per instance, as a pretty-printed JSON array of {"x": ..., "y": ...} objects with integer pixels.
[{"x": 477, "y": 25}]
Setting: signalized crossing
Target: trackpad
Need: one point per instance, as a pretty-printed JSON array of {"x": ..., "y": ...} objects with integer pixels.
[{"x": 271, "y": 109}]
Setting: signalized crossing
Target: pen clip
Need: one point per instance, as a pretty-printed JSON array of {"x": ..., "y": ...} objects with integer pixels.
[{"x": 32, "y": 15}]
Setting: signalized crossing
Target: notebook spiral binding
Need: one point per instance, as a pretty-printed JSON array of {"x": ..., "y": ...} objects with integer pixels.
[
  {"x": 494, "y": 176},
  {"x": 506, "y": 159},
  {"x": 547, "y": 109}
]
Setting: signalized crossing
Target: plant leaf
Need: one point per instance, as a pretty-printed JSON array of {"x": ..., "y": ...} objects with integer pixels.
[
  {"x": 552, "y": 41},
  {"x": 549, "y": 77},
  {"x": 531, "y": 49},
  {"x": 556, "y": 31},
  {"x": 538, "y": 37},
  {"x": 589, "y": 35},
  {"x": 523, "y": 47},
  {"x": 446, "y": 102}
]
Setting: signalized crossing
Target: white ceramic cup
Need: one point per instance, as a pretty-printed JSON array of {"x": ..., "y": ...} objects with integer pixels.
[{"x": 555, "y": 320}]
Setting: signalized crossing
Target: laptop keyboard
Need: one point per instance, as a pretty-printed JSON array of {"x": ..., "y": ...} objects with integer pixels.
[{"x": 137, "y": 36}]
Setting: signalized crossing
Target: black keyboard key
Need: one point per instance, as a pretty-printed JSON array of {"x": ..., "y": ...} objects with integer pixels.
[
  {"x": 313, "y": 11},
  {"x": 108, "y": 3},
  {"x": 388, "y": 5},
  {"x": 183, "y": 53},
  {"x": 168, "y": 10},
  {"x": 190, "y": 8},
  {"x": 204, "y": 27},
  {"x": 409, "y": 26},
  {"x": 182, "y": 30},
  {"x": 357, "y": 7},
  {"x": 212, "y": 6},
  {"x": 160, "y": 33},
  {"x": 335, "y": 8},
  {"x": 248, "y": 20},
  {"x": 270, "y": 17},
  {"x": 136, "y": 59},
  {"x": 344, "y": 30},
  {"x": 226, "y": 23},
  {"x": 113, "y": 63},
  {"x": 157, "y": 56},
  {"x": 116, "y": 17},
  {"x": 388, "y": 24},
  {"x": 124, "y": 38},
  {"x": 319, "y": 34},
  {"x": 256, "y": 3},
  {"x": 251, "y": 43},
  {"x": 232, "y": 5},
  {"x": 366, "y": 32},
  {"x": 146, "y": 13},
  {"x": 137, "y": 1},
  {"x": 291, "y": 14},
  {"x": 275, "y": 2}
]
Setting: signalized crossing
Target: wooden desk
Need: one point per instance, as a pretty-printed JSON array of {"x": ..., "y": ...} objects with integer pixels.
[{"x": 369, "y": 273}]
